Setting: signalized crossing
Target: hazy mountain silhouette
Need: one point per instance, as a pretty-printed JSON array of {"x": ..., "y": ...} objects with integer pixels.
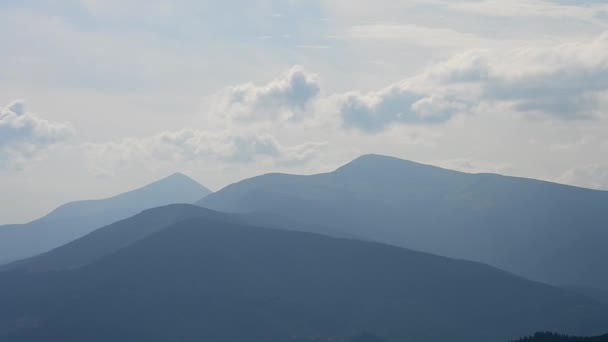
[
  {"x": 107, "y": 240},
  {"x": 545, "y": 231},
  {"x": 206, "y": 279},
  {"x": 76, "y": 219}
]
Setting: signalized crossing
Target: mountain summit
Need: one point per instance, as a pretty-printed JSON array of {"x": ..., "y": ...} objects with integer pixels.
[
  {"x": 545, "y": 231},
  {"x": 75, "y": 219},
  {"x": 176, "y": 188}
]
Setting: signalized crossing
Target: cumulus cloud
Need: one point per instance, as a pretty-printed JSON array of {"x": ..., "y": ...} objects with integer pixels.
[
  {"x": 23, "y": 134},
  {"x": 568, "y": 82},
  {"x": 286, "y": 97},
  {"x": 376, "y": 111},
  {"x": 194, "y": 145}
]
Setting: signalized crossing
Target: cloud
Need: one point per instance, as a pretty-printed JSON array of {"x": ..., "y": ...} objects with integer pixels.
[
  {"x": 374, "y": 112},
  {"x": 567, "y": 82},
  {"x": 23, "y": 134},
  {"x": 562, "y": 9},
  {"x": 593, "y": 176},
  {"x": 472, "y": 165},
  {"x": 287, "y": 97},
  {"x": 194, "y": 145}
]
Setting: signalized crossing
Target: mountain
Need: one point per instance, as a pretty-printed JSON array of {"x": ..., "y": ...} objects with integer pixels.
[
  {"x": 206, "y": 279},
  {"x": 553, "y": 337},
  {"x": 591, "y": 292},
  {"x": 75, "y": 219},
  {"x": 109, "y": 239},
  {"x": 544, "y": 231}
]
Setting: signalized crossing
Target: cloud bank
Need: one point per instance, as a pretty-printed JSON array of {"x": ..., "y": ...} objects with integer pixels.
[
  {"x": 196, "y": 145},
  {"x": 566, "y": 82}
]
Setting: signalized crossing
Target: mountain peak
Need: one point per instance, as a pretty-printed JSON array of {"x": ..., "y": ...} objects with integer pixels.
[
  {"x": 175, "y": 188},
  {"x": 378, "y": 162},
  {"x": 177, "y": 175},
  {"x": 178, "y": 180}
]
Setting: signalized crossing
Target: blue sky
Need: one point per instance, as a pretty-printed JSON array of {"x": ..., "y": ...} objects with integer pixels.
[{"x": 103, "y": 96}]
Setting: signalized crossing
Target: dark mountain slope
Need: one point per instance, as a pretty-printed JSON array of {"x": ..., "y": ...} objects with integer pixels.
[
  {"x": 209, "y": 280},
  {"x": 545, "y": 231},
  {"x": 552, "y": 337},
  {"x": 76, "y": 219},
  {"x": 107, "y": 240},
  {"x": 591, "y": 292}
]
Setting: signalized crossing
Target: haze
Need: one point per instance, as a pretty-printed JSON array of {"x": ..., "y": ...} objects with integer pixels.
[
  {"x": 304, "y": 171},
  {"x": 127, "y": 92}
]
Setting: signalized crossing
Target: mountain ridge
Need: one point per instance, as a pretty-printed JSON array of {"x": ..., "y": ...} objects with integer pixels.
[
  {"x": 522, "y": 225},
  {"x": 77, "y": 218},
  {"x": 204, "y": 279}
]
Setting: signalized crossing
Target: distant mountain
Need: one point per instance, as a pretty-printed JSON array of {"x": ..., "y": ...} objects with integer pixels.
[
  {"x": 76, "y": 219},
  {"x": 109, "y": 239},
  {"x": 544, "y": 231},
  {"x": 553, "y": 337},
  {"x": 206, "y": 279}
]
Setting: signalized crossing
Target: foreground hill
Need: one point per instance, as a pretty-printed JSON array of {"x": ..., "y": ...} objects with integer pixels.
[
  {"x": 552, "y": 337},
  {"x": 76, "y": 219},
  {"x": 206, "y": 279},
  {"x": 597, "y": 294},
  {"x": 545, "y": 231},
  {"x": 109, "y": 239}
]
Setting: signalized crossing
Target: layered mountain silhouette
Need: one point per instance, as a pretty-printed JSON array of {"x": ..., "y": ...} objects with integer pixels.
[
  {"x": 76, "y": 219},
  {"x": 544, "y": 231},
  {"x": 109, "y": 239},
  {"x": 211, "y": 278}
]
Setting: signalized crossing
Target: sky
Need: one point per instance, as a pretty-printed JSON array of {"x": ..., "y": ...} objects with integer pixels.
[{"x": 102, "y": 96}]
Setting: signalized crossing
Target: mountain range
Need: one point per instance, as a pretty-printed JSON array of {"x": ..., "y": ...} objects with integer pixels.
[
  {"x": 540, "y": 230},
  {"x": 211, "y": 277},
  {"x": 381, "y": 249},
  {"x": 75, "y": 219}
]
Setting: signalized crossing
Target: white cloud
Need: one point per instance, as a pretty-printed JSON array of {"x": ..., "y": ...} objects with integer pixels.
[
  {"x": 287, "y": 97},
  {"x": 566, "y": 81},
  {"x": 376, "y": 111},
  {"x": 193, "y": 146},
  {"x": 23, "y": 134},
  {"x": 569, "y": 82}
]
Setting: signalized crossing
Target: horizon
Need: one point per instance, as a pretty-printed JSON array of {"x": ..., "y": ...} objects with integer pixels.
[
  {"x": 102, "y": 96},
  {"x": 182, "y": 174}
]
